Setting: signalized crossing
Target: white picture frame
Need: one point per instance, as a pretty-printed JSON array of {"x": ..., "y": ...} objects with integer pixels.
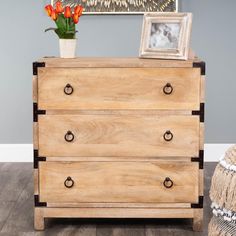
[{"x": 166, "y": 35}]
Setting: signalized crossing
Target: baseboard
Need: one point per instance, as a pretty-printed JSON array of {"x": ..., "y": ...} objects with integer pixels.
[
  {"x": 213, "y": 152},
  {"x": 24, "y": 152},
  {"x": 16, "y": 153}
]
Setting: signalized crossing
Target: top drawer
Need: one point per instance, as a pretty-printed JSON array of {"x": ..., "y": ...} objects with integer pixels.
[{"x": 119, "y": 88}]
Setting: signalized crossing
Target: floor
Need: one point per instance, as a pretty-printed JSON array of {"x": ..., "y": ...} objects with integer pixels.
[{"x": 16, "y": 212}]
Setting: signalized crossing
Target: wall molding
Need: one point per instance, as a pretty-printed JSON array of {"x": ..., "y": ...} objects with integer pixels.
[
  {"x": 24, "y": 152},
  {"x": 16, "y": 152},
  {"x": 213, "y": 152}
]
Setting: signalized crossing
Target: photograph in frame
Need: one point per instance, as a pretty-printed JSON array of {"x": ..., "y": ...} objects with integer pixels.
[{"x": 166, "y": 35}]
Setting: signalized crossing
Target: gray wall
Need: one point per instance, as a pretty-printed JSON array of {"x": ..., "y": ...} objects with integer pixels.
[{"x": 22, "y": 41}]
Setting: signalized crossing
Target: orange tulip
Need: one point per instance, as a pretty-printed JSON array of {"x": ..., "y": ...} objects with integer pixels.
[
  {"x": 78, "y": 10},
  {"x": 76, "y": 18},
  {"x": 54, "y": 15},
  {"x": 59, "y": 8},
  {"x": 67, "y": 12},
  {"x": 49, "y": 9}
]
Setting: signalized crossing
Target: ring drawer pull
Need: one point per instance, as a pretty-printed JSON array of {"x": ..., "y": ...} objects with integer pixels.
[
  {"x": 168, "y": 183},
  {"x": 168, "y": 136},
  {"x": 69, "y": 136},
  {"x": 168, "y": 89},
  {"x": 68, "y": 90},
  {"x": 69, "y": 182}
]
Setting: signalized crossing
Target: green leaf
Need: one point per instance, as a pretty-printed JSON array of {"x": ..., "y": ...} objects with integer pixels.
[
  {"x": 70, "y": 32},
  {"x": 65, "y": 27},
  {"x": 69, "y": 36},
  {"x": 61, "y": 22},
  {"x": 48, "y": 29}
]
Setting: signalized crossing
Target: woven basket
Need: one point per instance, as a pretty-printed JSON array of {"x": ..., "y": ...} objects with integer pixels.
[{"x": 223, "y": 196}]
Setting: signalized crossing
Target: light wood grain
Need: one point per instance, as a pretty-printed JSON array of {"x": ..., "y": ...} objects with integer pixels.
[
  {"x": 36, "y": 182},
  {"x": 202, "y": 135},
  {"x": 16, "y": 216},
  {"x": 120, "y": 112},
  {"x": 198, "y": 220},
  {"x": 39, "y": 223},
  {"x": 201, "y": 182},
  {"x": 120, "y": 158},
  {"x": 112, "y": 135},
  {"x": 118, "y": 182},
  {"x": 35, "y": 135},
  {"x": 117, "y": 213},
  {"x": 111, "y": 62},
  {"x": 123, "y": 205},
  {"x": 124, "y": 88},
  {"x": 35, "y": 88},
  {"x": 202, "y": 98}
]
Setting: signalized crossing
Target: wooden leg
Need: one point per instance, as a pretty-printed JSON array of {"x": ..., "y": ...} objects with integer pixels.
[
  {"x": 38, "y": 219},
  {"x": 198, "y": 220}
]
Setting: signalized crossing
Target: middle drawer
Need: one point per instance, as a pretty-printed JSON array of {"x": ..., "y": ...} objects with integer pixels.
[{"x": 118, "y": 135}]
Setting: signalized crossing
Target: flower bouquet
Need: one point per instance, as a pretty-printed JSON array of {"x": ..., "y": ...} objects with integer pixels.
[{"x": 65, "y": 21}]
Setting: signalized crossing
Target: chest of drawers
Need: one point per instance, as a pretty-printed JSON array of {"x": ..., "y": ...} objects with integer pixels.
[{"x": 118, "y": 138}]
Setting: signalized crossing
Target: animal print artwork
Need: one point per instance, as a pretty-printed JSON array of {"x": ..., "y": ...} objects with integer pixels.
[{"x": 123, "y": 6}]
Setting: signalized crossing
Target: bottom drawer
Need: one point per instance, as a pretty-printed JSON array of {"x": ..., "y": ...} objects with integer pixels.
[{"x": 118, "y": 182}]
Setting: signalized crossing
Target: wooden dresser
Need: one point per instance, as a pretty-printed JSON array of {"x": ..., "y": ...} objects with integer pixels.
[{"x": 118, "y": 138}]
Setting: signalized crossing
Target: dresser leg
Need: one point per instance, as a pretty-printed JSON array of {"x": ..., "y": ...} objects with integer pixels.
[
  {"x": 38, "y": 219},
  {"x": 198, "y": 220}
]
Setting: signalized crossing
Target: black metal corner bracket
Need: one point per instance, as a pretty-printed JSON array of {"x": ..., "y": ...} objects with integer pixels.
[
  {"x": 37, "y": 159},
  {"x": 200, "y": 113},
  {"x": 37, "y": 112},
  {"x": 199, "y": 204},
  {"x": 199, "y": 159},
  {"x": 36, "y": 65},
  {"x": 37, "y": 203},
  {"x": 201, "y": 65}
]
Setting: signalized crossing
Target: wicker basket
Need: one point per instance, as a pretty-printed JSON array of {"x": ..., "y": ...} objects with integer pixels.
[{"x": 223, "y": 196}]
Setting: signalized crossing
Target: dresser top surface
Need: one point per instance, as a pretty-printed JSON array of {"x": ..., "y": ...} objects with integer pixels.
[{"x": 115, "y": 62}]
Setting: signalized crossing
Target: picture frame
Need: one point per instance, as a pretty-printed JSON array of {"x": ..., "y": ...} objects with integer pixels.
[
  {"x": 116, "y": 7},
  {"x": 166, "y": 36}
]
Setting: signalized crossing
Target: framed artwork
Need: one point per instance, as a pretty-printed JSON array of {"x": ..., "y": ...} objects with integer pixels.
[
  {"x": 122, "y": 6},
  {"x": 166, "y": 35}
]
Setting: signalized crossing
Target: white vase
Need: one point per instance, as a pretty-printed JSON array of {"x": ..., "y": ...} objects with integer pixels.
[{"x": 67, "y": 48}]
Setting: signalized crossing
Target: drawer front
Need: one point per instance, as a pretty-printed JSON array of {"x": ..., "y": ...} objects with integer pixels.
[
  {"x": 119, "y": 88},
  {"x": 118, "y": 182},
  {"x": 118, "y": 135}
]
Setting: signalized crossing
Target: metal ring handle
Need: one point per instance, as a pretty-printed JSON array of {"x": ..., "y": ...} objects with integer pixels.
[
  {"x": 168, "y": 89},
  {"x": 68, "y": 90},
  {"x": 69, "y": 136},
  {"x": 168, "y": 136},
  {"x": 69, "y": 182},
  {"x": 168, "y": 183}
]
